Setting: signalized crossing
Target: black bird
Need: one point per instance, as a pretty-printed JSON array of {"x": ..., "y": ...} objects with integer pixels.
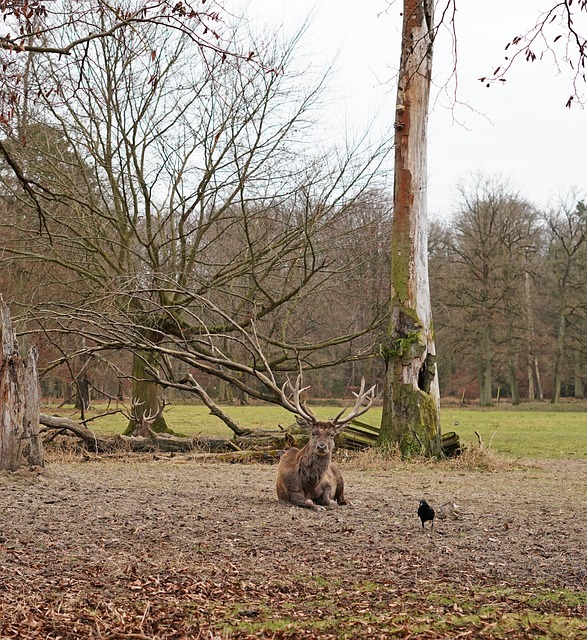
[{"x": 426, "y": 513}]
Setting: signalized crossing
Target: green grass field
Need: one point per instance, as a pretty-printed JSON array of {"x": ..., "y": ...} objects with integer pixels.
[
  {"x": 536, "y": 432},
  {"x": 518, "y": 433}
]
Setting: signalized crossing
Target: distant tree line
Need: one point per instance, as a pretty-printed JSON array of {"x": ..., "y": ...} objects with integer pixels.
[
  {"x": 509, "y": 291},
  {"x": 509, "y": 284}
]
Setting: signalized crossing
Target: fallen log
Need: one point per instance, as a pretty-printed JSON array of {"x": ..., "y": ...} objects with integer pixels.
[
  {"x": 257, "y": 442},
  {"x": 94, "y": 442},
  {"x": 250, "y": 456},
  {"x": 157, "y": 442},
  {"x": 264, "y": 446}
]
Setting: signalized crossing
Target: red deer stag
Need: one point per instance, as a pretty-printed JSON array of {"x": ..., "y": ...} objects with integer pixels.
[{"x": 307, "y": 477}]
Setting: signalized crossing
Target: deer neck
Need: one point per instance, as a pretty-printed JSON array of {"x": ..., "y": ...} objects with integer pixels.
[{"x": 313, "y": 467}]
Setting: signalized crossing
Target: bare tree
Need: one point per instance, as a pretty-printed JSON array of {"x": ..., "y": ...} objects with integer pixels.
[
  {"x": 567, "y": 234},
  {"x": 163, "y": 192},
  {"x": 410, "y": 339},
  {"x": 488, "y": 246}
]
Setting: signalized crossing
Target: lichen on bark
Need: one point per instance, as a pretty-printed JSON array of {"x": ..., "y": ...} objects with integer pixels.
[{"x": 415, "y": 411}]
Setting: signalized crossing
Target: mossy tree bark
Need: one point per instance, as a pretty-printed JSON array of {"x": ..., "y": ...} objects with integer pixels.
[
  {"x": 411, "y": 416},
  {"x": 20, "y": 444}
]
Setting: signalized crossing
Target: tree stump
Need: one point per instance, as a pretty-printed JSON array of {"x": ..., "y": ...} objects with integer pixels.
[{"x": 20, "y": 443}]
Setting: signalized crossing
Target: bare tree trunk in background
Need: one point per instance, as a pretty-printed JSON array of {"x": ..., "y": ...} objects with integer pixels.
[
  {"x": 83, "y": 384},
  {"x": 82, "y": 393},
  {"x": 539, "y": 392},
  {"x": 225, "y": 393},
  {"x": 411, "y": 398},
  {"x": 20, "y": 444},
  {"x": 484, "y": 367},
  {"x": 534, "y": 385},
  {"x": 579, "y": 380},
  {"x": 513, "y": 370},
  {"x": 559, "y": 355}
]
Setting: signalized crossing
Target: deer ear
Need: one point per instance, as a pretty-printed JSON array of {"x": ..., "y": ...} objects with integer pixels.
[{"x": 303, "y": 423}]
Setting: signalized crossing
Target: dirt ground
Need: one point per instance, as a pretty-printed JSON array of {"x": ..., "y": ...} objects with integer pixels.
[{"x": 177, "y": 547}]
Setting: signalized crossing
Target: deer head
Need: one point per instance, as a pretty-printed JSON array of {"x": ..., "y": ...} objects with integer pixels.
[{"x": 144, "y": 419}]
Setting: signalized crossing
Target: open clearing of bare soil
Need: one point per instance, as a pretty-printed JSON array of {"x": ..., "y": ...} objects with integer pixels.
[{"x": 178, "y": 547}]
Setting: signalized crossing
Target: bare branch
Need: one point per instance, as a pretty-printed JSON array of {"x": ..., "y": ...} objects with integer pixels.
[{"x": 555, "y": 35}]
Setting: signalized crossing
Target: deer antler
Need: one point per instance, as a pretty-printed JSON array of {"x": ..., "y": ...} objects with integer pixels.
[
  {"x": 293, "y": 401},
  {"x": 358, "y": 409},
  {"x": 132, "y": 414},
  {"x": 148, "y": 416}
]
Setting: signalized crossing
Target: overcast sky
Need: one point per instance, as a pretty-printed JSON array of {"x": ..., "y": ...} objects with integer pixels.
[{"x": 519, "y": 129}]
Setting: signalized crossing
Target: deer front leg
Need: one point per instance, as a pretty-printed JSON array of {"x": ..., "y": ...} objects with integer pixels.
[
  {"x": 323, "y": 494},
  {"x": 289, "y": 489},
  {"x": 298, "y": 499}
]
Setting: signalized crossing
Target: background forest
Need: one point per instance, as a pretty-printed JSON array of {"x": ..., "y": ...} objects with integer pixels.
[{"x": 181, "y": 218}]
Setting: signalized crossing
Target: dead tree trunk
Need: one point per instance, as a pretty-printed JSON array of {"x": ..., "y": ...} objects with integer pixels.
[
  {"x": 20, "y": 443},
  {"x": 411, "y": 403}
]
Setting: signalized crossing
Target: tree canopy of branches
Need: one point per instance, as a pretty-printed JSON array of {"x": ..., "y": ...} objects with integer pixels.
[
  {"x": 488, "y": 248},
  {"x": 566, "y": 230},
  {"x": 44, "y": 27},
  {"x": 184, "y": 204},
  {"x": 509, "y": 289}
]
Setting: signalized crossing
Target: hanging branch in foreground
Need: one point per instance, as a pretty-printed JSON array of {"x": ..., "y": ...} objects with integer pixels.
[
  {"x": 253, "y": 373},
  {"x": 262, "y": 445},
  {"x": 558, "y": 34},
  {"x": 40, "y": 26}
]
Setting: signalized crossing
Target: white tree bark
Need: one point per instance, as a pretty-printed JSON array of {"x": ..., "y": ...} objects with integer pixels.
[{"x": 411, "y": 417}]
